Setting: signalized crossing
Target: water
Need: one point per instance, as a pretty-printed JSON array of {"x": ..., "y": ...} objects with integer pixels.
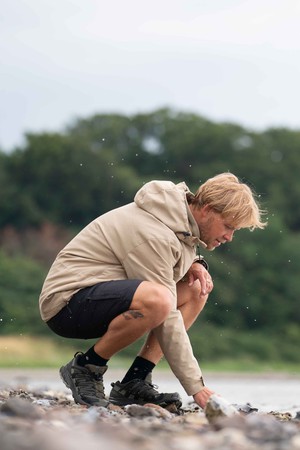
[{"x": 268, "y": 392}]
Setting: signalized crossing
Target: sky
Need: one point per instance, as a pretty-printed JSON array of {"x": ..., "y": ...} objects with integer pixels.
[{"x": 227, "y": 60}]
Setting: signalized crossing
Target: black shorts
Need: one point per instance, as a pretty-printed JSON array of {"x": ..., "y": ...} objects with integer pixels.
[{"x": 90, "y": 311}]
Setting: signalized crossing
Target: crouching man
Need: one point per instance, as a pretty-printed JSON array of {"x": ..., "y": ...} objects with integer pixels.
[{"x": 134, "y": 271}]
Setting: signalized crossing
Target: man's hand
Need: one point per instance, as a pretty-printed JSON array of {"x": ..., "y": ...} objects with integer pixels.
[
  {"x": 202, "y": 397},
  {"x": 198, "y": 272}
]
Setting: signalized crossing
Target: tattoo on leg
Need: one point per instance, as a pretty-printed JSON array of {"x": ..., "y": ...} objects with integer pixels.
[{"x": 132, "y": 314}]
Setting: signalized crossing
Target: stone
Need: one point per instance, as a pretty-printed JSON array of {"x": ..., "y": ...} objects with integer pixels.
[
  {"x": 245, "y": 408},
  {"x": 20, "y": 407},
  {"x": 218, "y": 407},
  {"x": 141, "y": 411}
]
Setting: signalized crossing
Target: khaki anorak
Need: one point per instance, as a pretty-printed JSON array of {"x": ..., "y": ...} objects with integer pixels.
[{"x": 153, "y": 239}]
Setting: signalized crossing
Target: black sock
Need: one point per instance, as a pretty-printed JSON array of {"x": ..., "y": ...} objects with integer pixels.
[
  {"x": 139, "y": 369},
  {"x": 91, "y": 357}
]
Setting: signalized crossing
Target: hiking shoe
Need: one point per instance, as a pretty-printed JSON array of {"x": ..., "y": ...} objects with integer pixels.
[
  {"x": 86, "y": 383},
  {"x": 140, "y": 392}
]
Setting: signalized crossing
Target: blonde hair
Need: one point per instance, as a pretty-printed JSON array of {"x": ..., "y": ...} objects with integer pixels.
[{"x": 234, "y": 200}]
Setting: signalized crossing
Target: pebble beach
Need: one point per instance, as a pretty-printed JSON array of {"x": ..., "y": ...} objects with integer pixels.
[{"x": 37, "y": 412}]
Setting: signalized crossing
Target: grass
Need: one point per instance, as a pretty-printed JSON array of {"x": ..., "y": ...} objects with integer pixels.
[
  {"x": 42, "y": 352},
  {"x": 26, "y": 351}
]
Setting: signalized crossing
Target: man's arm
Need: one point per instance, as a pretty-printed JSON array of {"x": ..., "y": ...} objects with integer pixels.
[{"x": 171, "y": 334}]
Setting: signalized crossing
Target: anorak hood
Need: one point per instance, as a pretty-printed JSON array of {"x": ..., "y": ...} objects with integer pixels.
[{"x": 167, "y": 202}]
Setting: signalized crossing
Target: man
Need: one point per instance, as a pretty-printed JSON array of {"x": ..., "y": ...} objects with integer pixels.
[{"x": 134, "y": 271}]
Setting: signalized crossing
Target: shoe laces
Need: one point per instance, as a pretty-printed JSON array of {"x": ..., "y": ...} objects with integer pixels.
[
  {"x": 143, "y": 387},
  {"x": 88, "y": 382}
]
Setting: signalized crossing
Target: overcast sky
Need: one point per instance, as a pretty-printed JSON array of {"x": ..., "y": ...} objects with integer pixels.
[{"x": 229, "y": 60}]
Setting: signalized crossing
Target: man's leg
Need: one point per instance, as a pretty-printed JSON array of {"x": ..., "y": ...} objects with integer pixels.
[
  {"x": 150, "y": 305},
  {"x": 190, "y": 303}
]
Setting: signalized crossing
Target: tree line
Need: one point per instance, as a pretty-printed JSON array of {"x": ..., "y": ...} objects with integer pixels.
[{"x": 55, "y": 183}]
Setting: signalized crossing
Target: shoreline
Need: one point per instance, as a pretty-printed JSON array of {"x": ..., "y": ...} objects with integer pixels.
[
  {"x": 16, "y": 371},
  {"x": 267, "y": 391}
]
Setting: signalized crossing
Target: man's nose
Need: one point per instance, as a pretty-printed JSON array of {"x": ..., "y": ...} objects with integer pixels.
[{"x": 229, "y": 235}]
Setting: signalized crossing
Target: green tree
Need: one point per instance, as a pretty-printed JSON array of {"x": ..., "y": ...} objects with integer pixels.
[{"x": 20, "y": 284}]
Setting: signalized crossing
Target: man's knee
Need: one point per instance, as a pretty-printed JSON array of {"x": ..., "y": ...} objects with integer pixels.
[
  {"x": 154, "y": 299},
  {"x": 191, "y": 295}
]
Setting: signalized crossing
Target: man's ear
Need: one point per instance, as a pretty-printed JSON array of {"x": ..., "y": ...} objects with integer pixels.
[{"x": 205, "y": 210}]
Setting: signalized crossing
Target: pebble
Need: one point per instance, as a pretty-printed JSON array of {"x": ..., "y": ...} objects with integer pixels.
[
  {"x": 218, "y": 407},
  {"x": 50, "y": 420},
  {"x": 21, "y": 408}
]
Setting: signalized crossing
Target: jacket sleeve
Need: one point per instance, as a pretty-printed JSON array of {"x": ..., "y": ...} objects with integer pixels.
[
  {"x": 154, "y": 261},
  {"x": 177, "y": 349}
]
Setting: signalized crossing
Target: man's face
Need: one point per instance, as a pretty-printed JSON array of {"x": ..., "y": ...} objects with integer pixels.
[{"x": 214, "y": 229}]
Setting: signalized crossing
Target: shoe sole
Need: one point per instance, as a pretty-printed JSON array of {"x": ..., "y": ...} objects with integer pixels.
[{"x": 121, "y": 402}]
